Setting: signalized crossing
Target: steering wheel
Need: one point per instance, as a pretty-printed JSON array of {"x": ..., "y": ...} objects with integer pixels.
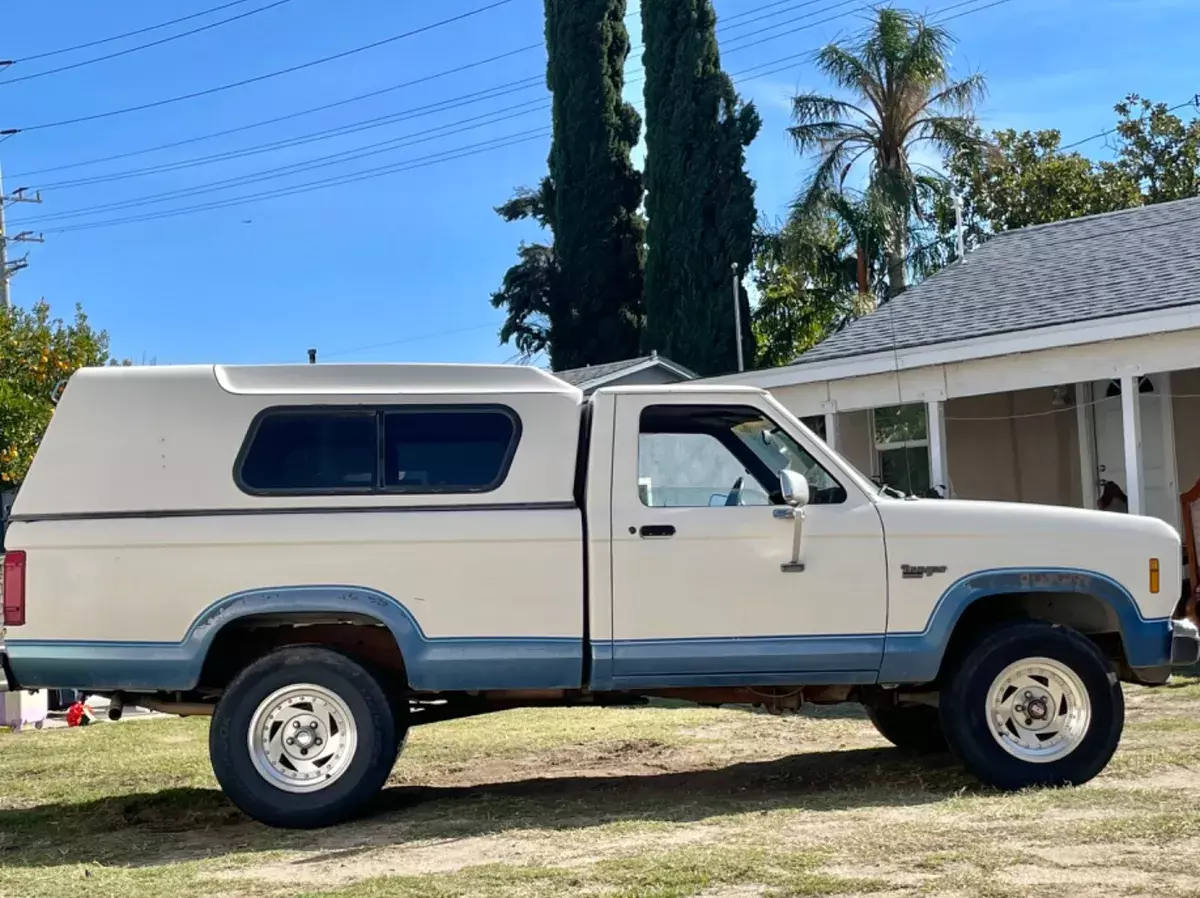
[{"x": 734, "y": 496}]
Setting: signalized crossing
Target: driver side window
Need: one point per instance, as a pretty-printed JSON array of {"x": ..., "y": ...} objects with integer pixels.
[
  {"x": 693, "y": 456},
  {"x": 692, "y": 470}
]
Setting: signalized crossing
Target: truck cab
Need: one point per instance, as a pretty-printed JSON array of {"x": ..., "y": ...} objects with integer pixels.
[
  {"x": 322, "y": 557},
  {"x": 703, "y": 589}
]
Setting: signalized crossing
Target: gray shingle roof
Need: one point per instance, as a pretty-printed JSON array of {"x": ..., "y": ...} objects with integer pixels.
[
  {"x": 577, "y": 377},
  {"x": 1136, "y": 260}
]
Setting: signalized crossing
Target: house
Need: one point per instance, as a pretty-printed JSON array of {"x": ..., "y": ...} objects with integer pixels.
[
  {"x": 1051, "y": 361},
  {"x": 649, "y": 369}
]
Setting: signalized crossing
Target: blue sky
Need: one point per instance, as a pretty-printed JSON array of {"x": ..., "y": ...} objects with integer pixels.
[{"x": 400, "y": 268}]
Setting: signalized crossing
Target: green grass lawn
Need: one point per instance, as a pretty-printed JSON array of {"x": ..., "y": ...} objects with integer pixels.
[{"x": 661, "y": 802}]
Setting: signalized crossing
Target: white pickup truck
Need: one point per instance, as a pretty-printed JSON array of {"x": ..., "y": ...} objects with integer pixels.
[{"x": 323, "y": 556}]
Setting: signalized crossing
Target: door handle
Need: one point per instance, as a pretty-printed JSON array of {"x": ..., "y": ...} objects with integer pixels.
[{"x": 657, "y": 531}]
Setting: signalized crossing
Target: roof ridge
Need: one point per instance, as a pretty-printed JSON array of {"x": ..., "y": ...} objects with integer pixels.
[{"x": 1081, "y": 218}]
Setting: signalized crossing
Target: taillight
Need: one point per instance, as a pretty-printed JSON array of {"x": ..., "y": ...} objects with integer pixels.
[{"x": 14, "y": 589}]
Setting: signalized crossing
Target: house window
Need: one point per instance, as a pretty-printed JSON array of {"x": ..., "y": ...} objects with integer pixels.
[
  {"x": 902, "y": 447},
  {"x": 815, "y": 423}
]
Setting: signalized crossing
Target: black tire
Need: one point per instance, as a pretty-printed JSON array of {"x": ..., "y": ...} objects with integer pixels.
[
  {"x": 377, "y": 739},
  {"x": 913, "y": 728},
  {"x": 965, "y": 711}
]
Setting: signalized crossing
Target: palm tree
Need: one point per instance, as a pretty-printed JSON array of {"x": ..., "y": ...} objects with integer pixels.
[{"x": 897, "y": 69}]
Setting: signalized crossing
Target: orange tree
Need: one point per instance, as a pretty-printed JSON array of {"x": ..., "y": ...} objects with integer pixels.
[{"x": 37, "y": 352}]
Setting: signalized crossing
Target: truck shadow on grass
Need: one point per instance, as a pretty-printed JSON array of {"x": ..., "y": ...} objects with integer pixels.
[{"x": 175, "y": 825}]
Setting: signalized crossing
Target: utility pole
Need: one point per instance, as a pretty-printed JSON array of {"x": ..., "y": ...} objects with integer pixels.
[
  {"x": 737, "y": 316},
  {"x": 7, "y": 268}
]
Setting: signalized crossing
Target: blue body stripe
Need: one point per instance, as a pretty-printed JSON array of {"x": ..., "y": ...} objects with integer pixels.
[
  {"x": 761, "y": 660},
  {"x": 434, "y": 664},
  {"x": 478, "y": 663}
]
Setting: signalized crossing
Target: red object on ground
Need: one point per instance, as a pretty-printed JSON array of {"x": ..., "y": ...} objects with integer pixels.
[{"x": 79, "y": 715}]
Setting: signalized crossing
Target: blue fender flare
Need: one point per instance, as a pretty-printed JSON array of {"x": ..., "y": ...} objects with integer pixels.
[{"x": 917, "y": 657}]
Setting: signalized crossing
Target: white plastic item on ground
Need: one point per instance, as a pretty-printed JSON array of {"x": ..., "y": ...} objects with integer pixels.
[{"x": 23, "y": 708}]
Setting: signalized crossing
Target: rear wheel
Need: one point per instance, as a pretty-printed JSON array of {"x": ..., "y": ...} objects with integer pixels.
[
  {"x": 1032, "y": 704},
  {"x": 914, "y": 728},
  {"x": 303, "y": 737}
]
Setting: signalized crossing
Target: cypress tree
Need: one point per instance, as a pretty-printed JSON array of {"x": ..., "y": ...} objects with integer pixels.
[
  {"x": 699, "y": 199},
  {"x": 598, "y": 231}
]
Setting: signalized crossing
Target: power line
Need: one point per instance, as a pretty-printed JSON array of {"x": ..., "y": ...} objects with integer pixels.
[
  {"x": 283, "y": 118},
  {"x": 421, "y": 162},
  {"x": 729, "y": 23},
  {"x": 976, "y": 9},
  {"x": 403, "y": 340},
  {"x": 378, "y": 121},
  {"x": 287, "y": 143},
  {"x": 493, "y": 118},
  {"x": 322, "y": 161},
  {"x": 268, "y": 75},
  {"x": 226, "y": 132},
  {"x": 789, "y": 22},
  {"x": 128, "y": 50},
  {"x": 118, "y": 37},
  {"x": 1194, "y": 101},
  {"x": 748, "y": 12},
  {"x": 367, "y": 174}
]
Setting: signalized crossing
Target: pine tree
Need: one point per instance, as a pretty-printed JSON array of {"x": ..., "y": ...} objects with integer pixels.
[
  {"x": 699, "y": 200},
  {"x": 598, "y": 231}
]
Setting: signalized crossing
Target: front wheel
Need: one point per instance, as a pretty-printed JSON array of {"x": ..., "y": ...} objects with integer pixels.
[
  {"x": 304, "y": 737},
  {"x": 1032, "y": 704}
]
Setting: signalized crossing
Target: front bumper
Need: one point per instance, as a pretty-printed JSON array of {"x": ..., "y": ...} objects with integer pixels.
[{"x": 1185, "y": 644}]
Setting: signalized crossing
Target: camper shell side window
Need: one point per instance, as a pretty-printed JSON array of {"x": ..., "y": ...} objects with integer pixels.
[{"x": 356, "y": 450}]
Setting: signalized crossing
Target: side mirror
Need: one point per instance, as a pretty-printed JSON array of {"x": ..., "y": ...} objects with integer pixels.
[{"x": 793, "y": 487}]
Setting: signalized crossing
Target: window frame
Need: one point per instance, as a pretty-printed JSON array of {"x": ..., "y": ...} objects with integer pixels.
[
  {"x": 879, "y": 448},
  {"x": 380, "y": 413}
]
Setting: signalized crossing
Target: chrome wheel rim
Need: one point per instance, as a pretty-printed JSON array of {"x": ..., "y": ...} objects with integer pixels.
[
  {"x": 302, "y": 738},
  {"x": 1038, "y": 710}
]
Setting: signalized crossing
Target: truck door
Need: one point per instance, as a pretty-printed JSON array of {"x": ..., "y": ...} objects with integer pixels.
[{"x": 701, "y": 592}]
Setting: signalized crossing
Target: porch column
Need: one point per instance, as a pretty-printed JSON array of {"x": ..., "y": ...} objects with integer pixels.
[
  {"x": 1087, "y": 445},
  {"x": 1131, "y": 431},
  {"x": 832, "y": 437},
  {"x": 939, "y": 469}
]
